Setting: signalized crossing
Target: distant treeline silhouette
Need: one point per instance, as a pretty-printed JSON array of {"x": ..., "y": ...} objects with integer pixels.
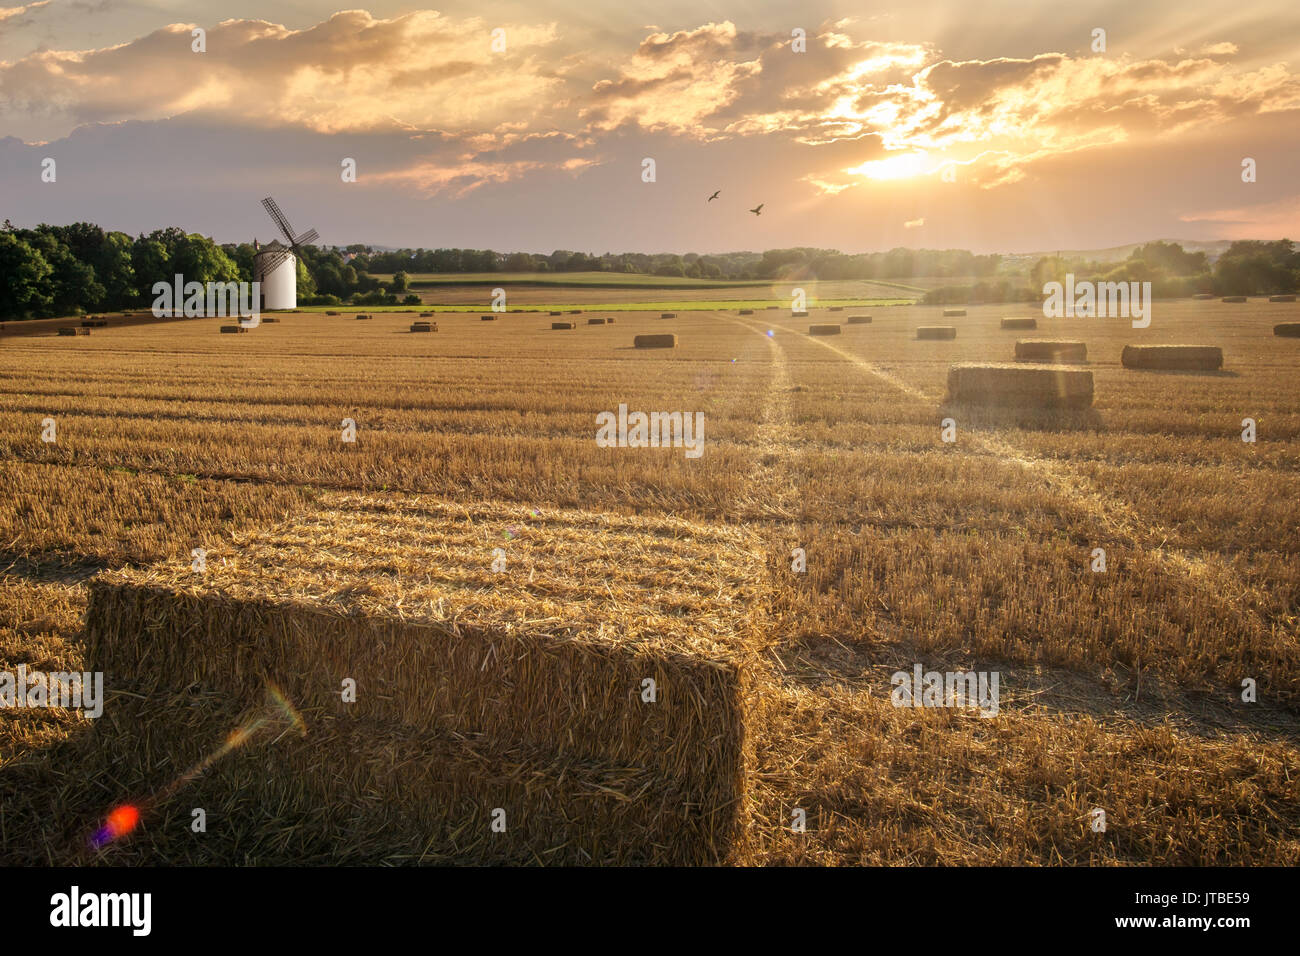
[{"x": 64, "y": 270}]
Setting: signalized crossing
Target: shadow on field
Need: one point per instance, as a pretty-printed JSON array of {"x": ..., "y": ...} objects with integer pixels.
[
  {"x": 1184, "y": 372},
  {"x": 1029, "y": 419}
]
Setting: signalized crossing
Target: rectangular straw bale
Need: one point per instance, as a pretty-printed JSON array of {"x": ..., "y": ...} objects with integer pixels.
[
  {"x": 859, "y": 320},
  {"x": 488, "y": 318},
  {"x": 1051, "y": 351},
  {"x": 557, "y": 313},
  {"x": 424, "y": 326},
  {"x": 231, "y": 329},
  {"x": 475, "y": 690},
  {"x": 1287, "y": 329},
  {"x": 362, "y": 317},
  {"x": 667, "y": 315},
  {"x": 1234, "y": 298},
  {"x": 1281, "y": 298},
  {"x": 837, "y": 308},
  {"x": 798, "y": 315},
  {"x": 1020, "y": 386},
  {"x": 595, "y": 321},
  {"x": 67, "y": 330},
  {"x": 1199, "y": 358},
  {"x": 953, "y": 313},
  {"x": 575, "y": 312},
  {"x": 936, "y": 332},
  {"x": 746, "y": 311},
  {"x": 664, "y": 340},
  {"x": 825, "y": 329},
  {"x": 1016, "y": 322},
  {"x": 564, "y": 325}
]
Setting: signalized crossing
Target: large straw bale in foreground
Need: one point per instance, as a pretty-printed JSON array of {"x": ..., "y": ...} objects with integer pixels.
[
  {"x": 1289, "y": 330},
  {"x": 1051, "y": 351},
  {"x": 1020, "y": 386},
  {"x": 1199, "y": 358},
  {"x": 476, "y": 690}
]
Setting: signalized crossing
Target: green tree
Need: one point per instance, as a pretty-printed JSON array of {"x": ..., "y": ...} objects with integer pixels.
[
  {"x": 199, "y": 259},
  {"x": 25, "y": 290}
]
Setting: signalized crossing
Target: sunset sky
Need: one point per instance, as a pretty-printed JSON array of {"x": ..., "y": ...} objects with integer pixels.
[{"x": 539, "y": 147}]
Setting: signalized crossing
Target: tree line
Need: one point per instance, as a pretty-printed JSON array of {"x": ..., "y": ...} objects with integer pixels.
[
  {"x": 1246, "y": 267},
  {"x": 66, "y": 270}
]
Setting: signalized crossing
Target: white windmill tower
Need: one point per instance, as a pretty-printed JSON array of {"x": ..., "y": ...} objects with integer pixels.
[{"x": 275, "y": 265}]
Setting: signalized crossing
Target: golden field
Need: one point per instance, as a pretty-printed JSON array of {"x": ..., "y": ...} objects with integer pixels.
[{"x": 1120, "y": 690}]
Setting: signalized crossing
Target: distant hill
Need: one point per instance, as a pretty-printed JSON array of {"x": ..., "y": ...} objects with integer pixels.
[{"x": 1212, "y": 247}]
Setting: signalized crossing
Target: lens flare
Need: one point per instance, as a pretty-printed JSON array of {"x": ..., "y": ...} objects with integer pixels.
[
  {"x": 277, "y": 713},
  {"x": 120, "y": 822}
]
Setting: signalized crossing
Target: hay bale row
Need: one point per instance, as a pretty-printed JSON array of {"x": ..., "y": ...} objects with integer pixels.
[
  {"x": 1203, "y": 296},
  {"x": 664, "y": 340},
  {"x": 1290, "y": 330},
  {"x": 1052, "y": 351},
  {"x": 1199, "y": 358},
  {"x": 1019, "y": 386},
  {"x": 936, "y": 332},
  {"x": 859, "y": 320},
  {"x": 1281, "y": 298},
  {"x": 233, "y": 329},
  {"x": 1233, "y": 298},
  {"x": 953, "y": 313},
  {"x": 823, "y": 330},
  {"x": 564, "y": 325},
  {"x": 1020, "y": 323}
]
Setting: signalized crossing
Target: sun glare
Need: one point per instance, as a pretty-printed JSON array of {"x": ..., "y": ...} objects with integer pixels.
[{"x": 895, "y": 167}]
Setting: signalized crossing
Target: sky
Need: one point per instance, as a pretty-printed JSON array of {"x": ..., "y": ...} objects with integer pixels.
[{"x": 1002, "y": 126}]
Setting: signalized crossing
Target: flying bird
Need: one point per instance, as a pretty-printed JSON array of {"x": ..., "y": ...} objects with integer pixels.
[
  {"x": 714, "y": 196},
  {"x": 758, "y": 210}
]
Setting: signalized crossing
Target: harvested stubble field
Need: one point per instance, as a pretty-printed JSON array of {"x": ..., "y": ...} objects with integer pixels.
[{"x": 1119, "y": 690}]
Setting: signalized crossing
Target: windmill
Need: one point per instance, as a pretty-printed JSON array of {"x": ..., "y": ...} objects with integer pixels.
[{"x": 275, "y": 264}]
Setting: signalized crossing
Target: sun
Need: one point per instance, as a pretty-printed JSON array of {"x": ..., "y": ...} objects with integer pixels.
[{"x": 902, "y": 166}]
